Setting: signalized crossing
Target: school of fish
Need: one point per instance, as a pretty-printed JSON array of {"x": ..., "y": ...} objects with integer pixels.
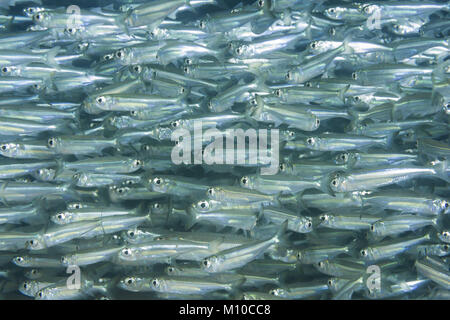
[{"x": 94, "y": 207}]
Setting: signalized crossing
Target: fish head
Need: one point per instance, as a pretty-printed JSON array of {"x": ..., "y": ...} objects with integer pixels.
[
  {"x": 29, "y": 288},
  {"x": 335, "y": 12},
  {"x": 247, "y": 182},
  {"x": 81, "y": 179},
  {"x": 159, "y": 184},
  {"x": 34, "y": 274},
  {"x": 102, "y": 101},
  {"x": 42, "y": 18},
  {"x": 338, "y": 182},
  {"x": 31, "y": 11},
  {"x": 159, "y": 208},
  {"x": 69, "y": 260},
  {"x": 158, "y": 284},
  {"x": 124, "y": 56},
  {"x": 343, "y": 158},
  {"x": 305, "y": 225},
  {"x": 321, "y": 46},
  {"x": 45, "y": 174},
  {"x": 312, "y": 142},
  {"x": 118, "y": 193},
  {"x": 441, "y": 206},
  {"x": 10, "y": 149},
  {"x": 201, "y": 206},
  {"x": 377, "y": 229},
  {"x": 278, "y": 292},
  {"x": 444, "y": 236},
  {"x": 132, "y": 283},
  {"x": 54, "y": 143},
  {"x": 37, "y": 243},
  {"x": 326, "y": 219},
  {"x": 369, "y": 9},
  {"x": 211, "y": 264},
  {"x": 47, "y": 293},
  {"x": 128, "y": 254},
  {"x": 158, "y": 34},
  {"x": 173, "y": 271},
  {"x": 73, "y": 31},
  {"x": 21, "y": 261},
  {"x": 367, "y": 254},
  {"x": 11, "y": 71},
  {"x": 216, "y": 193},
  {"x": 63, "y": 217},
  {"x": 288, "y": 135}
]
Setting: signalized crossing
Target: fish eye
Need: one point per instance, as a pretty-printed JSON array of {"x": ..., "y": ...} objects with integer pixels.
[
  {"x": 34, "y": 271},
  {"x": 20, "y": 259},
  {"x": 238, "y": 50},
  {"x": 129, "y": 280},
  {"x": 288, "y": 75},
  {"x": 445, "y": 204},
  {"x": 170, "y": 269},
  {"x": 3, "y": 147},
  {"x": 273, "y": 292},
  {"x": 330, "y": 282},
  {"x": 344, "y": 157},
  {"x": 40, "y": 294},
  {"x": 211, "y": 191},
  {"x": 186, "y": 70},
  {"x": 137, "y": 69},
  {"x": 332, "y": 31},
  {"x": 356, "y": 98},
  {"x": 320, "y": 264},
  {"x": 282, "y": 166},
  {"x": 156, "y": 205},
  {"x": 396, "y": 27},
  {"x": 60, "y": 216},
  {"x": 334, "y": 182},
  {"x": 71, "y": 30},
  {"x": 157, "y": 181},
  {"x": 244, "y": 180},
  {"x": 317, "y": 122},
  {"x": 202, "y": 24},
  {"x": 309, "y": 224},
  {"x": 313, "y": 44},
  {"x": 5, "y": 69},
  {"x": 278, "y": 93},
  {"x": 188, "y": 61},
  {"x": 372, "y": 228},
  {"x": 445, "y": 234},
  {"x": 367, "y": 9},
  {"x": 354, "y": 76},
  {"x": 77, "y": 206},
  {"x": 175, "y": 124},
  {"x": 323, "y": 218},
  {"x": 203, "y": 204},
  {"x": 100, "y": 100},
  {"x": 310, "y": 141},
  {"x": 291, "y": 133},
  {"x": 131, "y": 233},
  {"x": 120, "y": 54},
  {"x": 331, "y": 10},
  {"x": 445, "y": 247},
  {"x": 39, "y": 17},
  {"x": 206, "y": 263},
  {"x": 260, "y": 3},
  {"x": 308, "y": 84},
  {"x": 254, "y": 102},
  {"x": 126, "y": 251},
  {"x": 137, "y": 163},
  {"x": 25, "y": 285},
  {"x": 133, "y": 113},
  {"x": 51, "y": 142},
  {"x": 364, "y": 253},
  {"x": 155, "y": 282}
]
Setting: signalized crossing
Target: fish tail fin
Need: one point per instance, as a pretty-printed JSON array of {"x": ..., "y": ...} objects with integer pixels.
[
  {"x": 347, "y": 48},
  {"x": 342, "y": 93},
  {"x": 280, "y": 236},
  {"x": 190, "y": 221},
  {"x": 51, "y": 56},
  {"x": 324, "y": 185},
  {"x": 441, "y": 168}
]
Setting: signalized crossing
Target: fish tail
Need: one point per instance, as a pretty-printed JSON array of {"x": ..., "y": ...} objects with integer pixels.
[
  {"x": 440, "y": 168},
  {"x": 281, "y": 234},
  {"x": 51, "y": 57}
]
